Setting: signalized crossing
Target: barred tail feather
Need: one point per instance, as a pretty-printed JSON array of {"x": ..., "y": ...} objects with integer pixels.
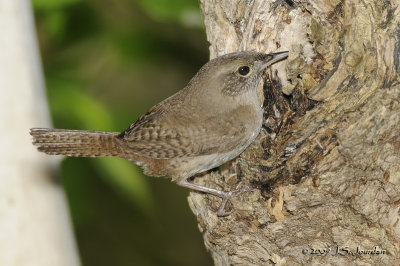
[{"x": 77, "y": 143}]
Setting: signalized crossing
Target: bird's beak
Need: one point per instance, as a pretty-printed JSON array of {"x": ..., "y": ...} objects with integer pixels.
[{"x": 275, "y": 57}]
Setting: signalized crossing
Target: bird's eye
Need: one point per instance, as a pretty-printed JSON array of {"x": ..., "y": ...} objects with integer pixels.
[{"x": 244, "y": 70}]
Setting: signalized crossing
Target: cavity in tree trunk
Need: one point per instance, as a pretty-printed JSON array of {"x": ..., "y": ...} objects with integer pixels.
[{"x": 326, "y": 169}]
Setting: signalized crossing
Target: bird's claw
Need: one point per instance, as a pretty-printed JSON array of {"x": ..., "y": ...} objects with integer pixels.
[{"x": 240, "y": 188}]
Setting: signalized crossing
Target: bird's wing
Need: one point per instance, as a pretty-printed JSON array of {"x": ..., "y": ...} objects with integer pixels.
[{"x": 158, "y": 135}]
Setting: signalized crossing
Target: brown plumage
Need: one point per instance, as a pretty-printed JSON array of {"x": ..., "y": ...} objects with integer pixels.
[
  {"x": 211, "y": 121},
  {"x": 76, "y": 143}
]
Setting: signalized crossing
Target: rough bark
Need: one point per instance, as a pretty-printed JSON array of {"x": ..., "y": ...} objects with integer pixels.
[
  {"x": 34, "y": 223},
  {"x": 326, "y": 170}
]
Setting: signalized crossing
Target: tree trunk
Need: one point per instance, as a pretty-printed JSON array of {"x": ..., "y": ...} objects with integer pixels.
[
  {"x": 326, "y": 169},
  {"x": 34, "y": 223}
]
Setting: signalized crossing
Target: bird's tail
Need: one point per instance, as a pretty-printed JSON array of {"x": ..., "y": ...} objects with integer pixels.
[{"x": 77, "y": 143}]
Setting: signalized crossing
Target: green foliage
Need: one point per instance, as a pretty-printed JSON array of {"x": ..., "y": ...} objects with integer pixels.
[
  {"x": 52, "y": 4},
  {"x": 128, "y": 179},
  {"x": 55, "y": 17},
  {"x": 105, "y": 63},
  {"x": 185, "y": 12},
  {"x": 55, "y": 23},
  {"x": 67, "y": 104},
  {"x": 71, "y": 103}
]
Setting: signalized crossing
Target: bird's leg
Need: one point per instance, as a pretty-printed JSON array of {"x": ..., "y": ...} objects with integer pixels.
[{"x": 225, "y": 196}]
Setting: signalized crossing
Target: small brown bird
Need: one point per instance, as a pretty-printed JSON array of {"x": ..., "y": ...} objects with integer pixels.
[{"x": 211, "y": 121}]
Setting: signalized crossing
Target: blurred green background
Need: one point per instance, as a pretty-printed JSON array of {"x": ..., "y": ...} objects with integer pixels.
[{"x": 105, "y": 64}]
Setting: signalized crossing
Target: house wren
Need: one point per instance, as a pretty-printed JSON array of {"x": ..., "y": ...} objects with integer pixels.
[{"x": 211, "y": 121}]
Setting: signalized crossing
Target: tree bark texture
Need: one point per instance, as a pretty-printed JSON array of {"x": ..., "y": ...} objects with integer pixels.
[
  {"x": 326, "y": 169},
  {"x": 35, "y": 228}
]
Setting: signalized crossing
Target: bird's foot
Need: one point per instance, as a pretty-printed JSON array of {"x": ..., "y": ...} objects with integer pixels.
[
  {"x": 225, "y": 196},
  {"x": 241, "y": 188}
]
